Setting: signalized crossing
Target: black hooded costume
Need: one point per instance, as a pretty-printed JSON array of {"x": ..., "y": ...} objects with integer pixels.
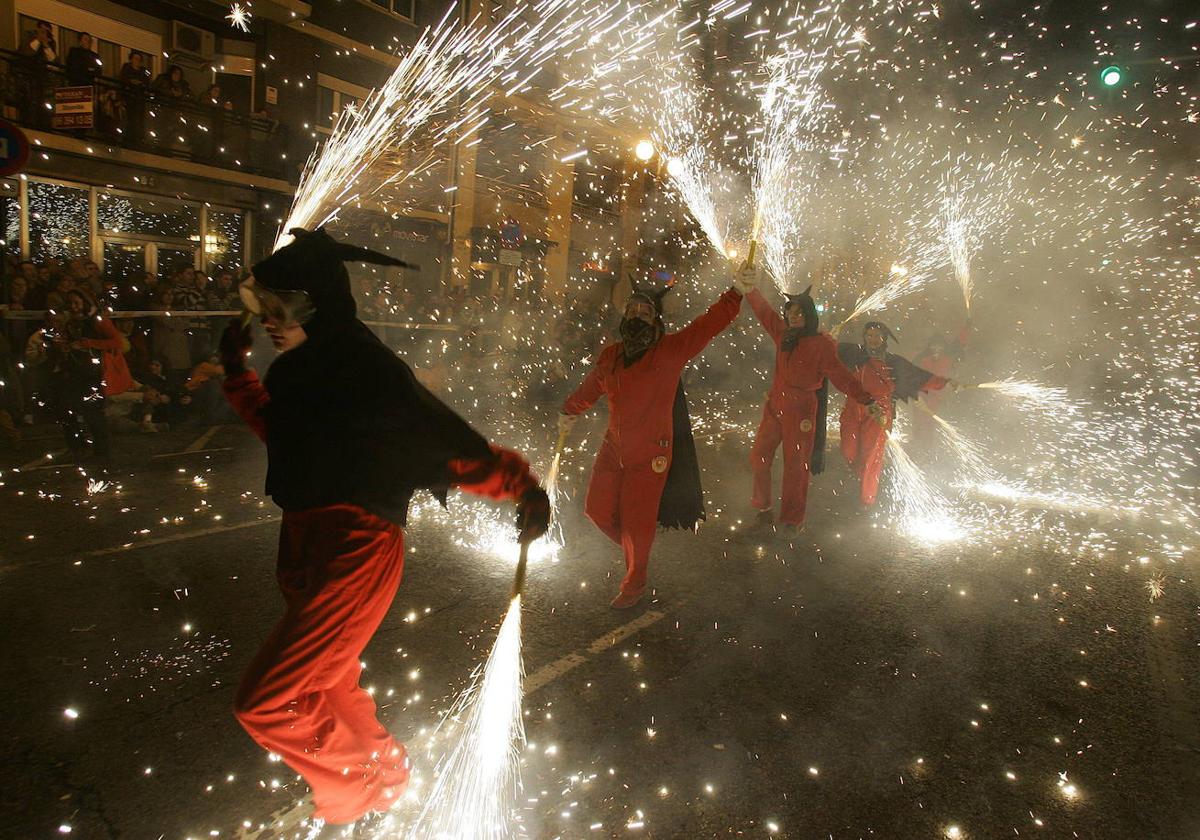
[
  {"x": 347, "y": 421},
  {"x": 350, "y": 435}
]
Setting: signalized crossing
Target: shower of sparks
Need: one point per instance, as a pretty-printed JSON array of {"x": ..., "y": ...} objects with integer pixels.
[
  {"x": 972, "y": 466},
  {"x": 916, "y": 505},
  {"x": 439, "y": 95},
  {"x": 476, "y": 784},
  {"x": 1033, "y": 395},
  {"x": 1156, "y": 585},
  {"x": 958, "y": 244},
  {"x": 239, "y": 17}
]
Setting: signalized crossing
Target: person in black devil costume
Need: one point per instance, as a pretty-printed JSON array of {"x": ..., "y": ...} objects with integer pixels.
[
  {"x": 646, "y": 472},
  {"x": 350, "y": 436}
]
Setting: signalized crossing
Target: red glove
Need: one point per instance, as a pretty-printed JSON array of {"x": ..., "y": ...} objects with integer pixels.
[{"x": 235, "y": 347}]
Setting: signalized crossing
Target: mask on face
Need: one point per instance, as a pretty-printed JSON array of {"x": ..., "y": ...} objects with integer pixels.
[
  {"x": 637, "y": 336},
  {"x": 285, "y": 306}
]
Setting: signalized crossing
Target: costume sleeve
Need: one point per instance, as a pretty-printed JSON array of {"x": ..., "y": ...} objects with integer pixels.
[
  {"x": 842, "y": 378},
  {"x": 695, "y": 336},
  {"x": 589, "y": 391},
  {"x": 504, "y": 476},
  {"x": 248, "y": 398},
  {"x": 911, "y": 380},
  {"x": 110, "y": 340},
  {"x": 851, "y": 355},
  {"x": 768, "y": 317}
]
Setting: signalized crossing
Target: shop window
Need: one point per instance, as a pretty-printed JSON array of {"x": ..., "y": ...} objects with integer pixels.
[
  {"x": 58, "y": 221},
  {"x": 224, "y": 241},
  {"x": 10, "y": 206},
  {"x": 145, "y": 216}
]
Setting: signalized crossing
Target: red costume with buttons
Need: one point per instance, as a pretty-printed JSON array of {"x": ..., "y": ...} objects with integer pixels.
[
  {"x": 646, "y": 471},
  {"x": 888, "y": 378},
  {"x": 350, "y": 436},
  {"x": 794, "y": 413}
]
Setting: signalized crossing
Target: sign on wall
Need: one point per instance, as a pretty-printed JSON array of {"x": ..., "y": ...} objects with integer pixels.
[{"x": 74, "y": 107}]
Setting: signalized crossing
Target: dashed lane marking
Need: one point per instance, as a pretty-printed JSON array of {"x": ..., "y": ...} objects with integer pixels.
[
  {"x": 203, "y": 532},
  {"x": 549, "y": 673}
]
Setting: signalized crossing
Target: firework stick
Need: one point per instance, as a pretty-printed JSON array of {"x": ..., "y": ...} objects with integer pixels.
[{"x": 519, "y": 578}]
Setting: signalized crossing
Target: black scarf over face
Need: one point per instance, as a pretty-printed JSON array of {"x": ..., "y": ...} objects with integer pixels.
[{"x": 637, "y": 336}]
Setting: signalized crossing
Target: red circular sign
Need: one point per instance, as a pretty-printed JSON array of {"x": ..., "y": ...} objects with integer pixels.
[{"x": 14, "y": 148}]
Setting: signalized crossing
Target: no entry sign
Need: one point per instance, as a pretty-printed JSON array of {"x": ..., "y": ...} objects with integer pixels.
[{"x": 14, "y": 148}]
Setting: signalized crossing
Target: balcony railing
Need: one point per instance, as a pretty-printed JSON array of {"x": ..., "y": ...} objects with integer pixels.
[{"x": 138, "y": 118}]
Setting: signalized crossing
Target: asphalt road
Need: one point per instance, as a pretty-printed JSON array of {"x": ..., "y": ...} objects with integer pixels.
[{"x": 846, "y": 684}]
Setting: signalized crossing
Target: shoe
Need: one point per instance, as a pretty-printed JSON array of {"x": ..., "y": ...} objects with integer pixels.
[
  {"x": 765, "y": 518},
  {"x": 625, "y": 600}
]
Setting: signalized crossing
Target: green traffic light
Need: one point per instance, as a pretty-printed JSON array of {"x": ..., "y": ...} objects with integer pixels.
[{"x": 1111, "y": 76}]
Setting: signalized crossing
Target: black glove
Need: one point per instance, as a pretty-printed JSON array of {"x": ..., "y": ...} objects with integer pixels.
[
  {"x": 235, "y": 346},
  {"x": 533, "y": 514}
]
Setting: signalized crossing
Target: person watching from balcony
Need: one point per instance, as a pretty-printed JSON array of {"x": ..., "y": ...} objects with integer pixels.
[
  {"x": 135, "y": 75},
  {"x": 172, "y": 84},
  {"x": 83, "y": 62},
  {"x": 39, "y": 44}
]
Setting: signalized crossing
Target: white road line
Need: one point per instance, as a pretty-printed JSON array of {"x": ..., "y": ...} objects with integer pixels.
[
  {"x": 202, "y": 441},
  {"x": 549, "y": 673},
  {"x": 191, "y": 452},
  {"x": 203, "y": 532},
  {"x": 50, "y": 456}
]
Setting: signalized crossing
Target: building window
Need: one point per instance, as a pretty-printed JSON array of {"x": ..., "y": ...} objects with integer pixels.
[
  {"x": 330, "y": 104},
  {"x": 406, "y": 9},
  {"x": 224, "y": 241},
  {"x": 10, "y": 206},
  {"x": 59, "y": 222},
  {"x": 146, "y": 216}
]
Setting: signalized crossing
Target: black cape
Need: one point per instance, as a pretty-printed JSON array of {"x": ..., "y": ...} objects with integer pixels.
[
  {"x": 682, "y": 503},
  {"x": 908, "y": 378},
  {"x": 348, "y": 422}
]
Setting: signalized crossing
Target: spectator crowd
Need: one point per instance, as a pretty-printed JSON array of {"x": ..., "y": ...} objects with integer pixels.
[
  {"x": 133, "y": 107},
  {"x": 99, "y": 354}
]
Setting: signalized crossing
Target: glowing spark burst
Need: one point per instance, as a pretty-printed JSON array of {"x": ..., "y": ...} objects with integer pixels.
[
  {"x": 1156, "y": 586},
  {"x": 922, "y": 512},
  {"x": 477, "y": 783},
  {"x": 239, "y": 17}
]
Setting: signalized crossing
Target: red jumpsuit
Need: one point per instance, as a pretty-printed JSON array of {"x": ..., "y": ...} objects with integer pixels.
[
  {"x": 864, "y": 441},
  {"x": 339, "y": 567},
  {"x": 790, "y": 413},
  {"x": 631, "y": 468}
]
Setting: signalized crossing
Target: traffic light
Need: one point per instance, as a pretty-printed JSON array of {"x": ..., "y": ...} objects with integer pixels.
[{"x": 1112, "y": 76}]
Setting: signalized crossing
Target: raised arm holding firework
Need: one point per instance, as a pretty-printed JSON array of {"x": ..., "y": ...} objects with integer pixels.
[{"x": 646, "y": 473}]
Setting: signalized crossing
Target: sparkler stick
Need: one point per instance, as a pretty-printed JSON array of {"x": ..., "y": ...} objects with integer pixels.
[{"x": 519, "y": 578}]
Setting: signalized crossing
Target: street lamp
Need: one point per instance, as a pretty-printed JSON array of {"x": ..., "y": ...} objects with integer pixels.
[
  {"x": 1111, "y": 76},
  {"x": 644, "y": 150},
  {"x": 674, "y": 167}
]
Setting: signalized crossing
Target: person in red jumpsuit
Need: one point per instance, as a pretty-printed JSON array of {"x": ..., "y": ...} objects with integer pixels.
[
  {"x": 646, "y": 472},
  {"x": 888, "y": 378},
  {"x": 939, "y": 357},
  {"x": 794, "y": 414},
  {"x": 350, "y": 436}
]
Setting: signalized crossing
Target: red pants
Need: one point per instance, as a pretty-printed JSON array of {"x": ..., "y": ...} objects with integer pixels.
[
  {"x": 339, "y": 568},
  {"x": 782, "y": 426},
  {"x": 623, "y": 502},
  {"x": 864, "y": 442}
]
